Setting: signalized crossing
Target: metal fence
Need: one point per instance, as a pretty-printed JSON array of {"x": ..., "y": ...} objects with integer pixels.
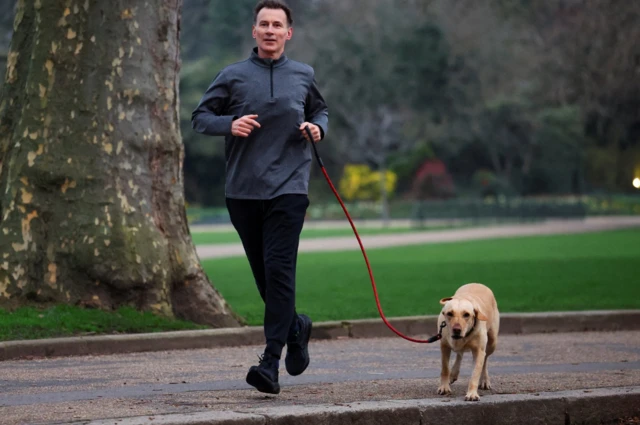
[
  {"x": 512, "y": 209},
  {"x": 525, "y": 209},
  {"x": 463, "y": 209}
]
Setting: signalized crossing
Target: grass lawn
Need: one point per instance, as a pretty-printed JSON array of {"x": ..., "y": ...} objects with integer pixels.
[
  {"x": 208, "y": 238},
  {"x": 544, "y": 273},
  {"x": 540, "y": 273},
  {"x": 59, "y": 321}
]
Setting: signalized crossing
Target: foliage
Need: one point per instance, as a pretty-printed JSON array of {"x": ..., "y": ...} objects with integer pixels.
[
  {"x": 488, "y": 184},
  {"x": 360, "y": 183},
  {"x": 377, "y": 77},
  {"x": 204, "y": 164},
  {"x": 544, "y": 94},
  {"x": 587, "y": 58},
  {"x": 612, "y": 205}
]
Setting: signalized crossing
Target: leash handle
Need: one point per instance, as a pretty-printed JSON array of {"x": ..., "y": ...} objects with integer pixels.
[
  {"x": 366, "y": 259},
  {"x": 313, "y": 144}
]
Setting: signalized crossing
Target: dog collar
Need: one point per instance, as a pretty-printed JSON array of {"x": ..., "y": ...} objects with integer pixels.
[
  {"x": 473, "y": 327},
  {"x": 471, "y": 330}
]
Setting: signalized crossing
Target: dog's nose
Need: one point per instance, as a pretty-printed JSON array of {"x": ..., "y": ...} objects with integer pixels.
[{"x": 457, "y": 329}]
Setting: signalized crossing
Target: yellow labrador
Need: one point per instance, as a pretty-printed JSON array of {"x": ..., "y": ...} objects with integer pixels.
[{"x": 472, "y": 321}]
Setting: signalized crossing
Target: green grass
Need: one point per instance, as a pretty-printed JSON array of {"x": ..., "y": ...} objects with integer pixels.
[
  {"x": 207, "y": 238},
  {"x": 540, "y": 273},
  {"x": 59, "y": 321},
  {"x": 545, "y": 273}
]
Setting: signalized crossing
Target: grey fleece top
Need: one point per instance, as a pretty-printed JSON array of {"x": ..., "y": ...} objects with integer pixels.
[{"x": 275, "y": 159}]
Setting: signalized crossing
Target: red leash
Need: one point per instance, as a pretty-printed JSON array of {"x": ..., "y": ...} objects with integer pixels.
[{"x": 366, "y": 259}]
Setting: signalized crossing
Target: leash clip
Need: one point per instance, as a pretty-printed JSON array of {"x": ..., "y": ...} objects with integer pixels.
[{"x": 439, "y": 336}]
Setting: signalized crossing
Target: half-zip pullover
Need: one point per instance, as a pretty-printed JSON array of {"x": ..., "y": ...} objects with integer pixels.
[
  {"x": 275, "y": 159},
  {"x": 271, "y": 74}
]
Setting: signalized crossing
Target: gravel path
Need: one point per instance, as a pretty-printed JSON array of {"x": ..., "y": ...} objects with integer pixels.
[{"x": 348, "y": 243}]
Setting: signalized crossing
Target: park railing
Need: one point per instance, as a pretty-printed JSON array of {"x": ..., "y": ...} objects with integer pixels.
[
  {"x": 461, "y": 209},
  {"x": 512, "y": 209},
  {"x": 525, "y": 209}
]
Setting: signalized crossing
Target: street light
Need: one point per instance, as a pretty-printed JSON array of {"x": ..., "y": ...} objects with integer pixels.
[{"x": 636, "y": 182}]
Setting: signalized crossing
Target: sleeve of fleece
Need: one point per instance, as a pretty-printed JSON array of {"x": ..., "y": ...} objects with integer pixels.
[
  {"x": 316, "y": 110},
  {"x": 210, "y": 116}
]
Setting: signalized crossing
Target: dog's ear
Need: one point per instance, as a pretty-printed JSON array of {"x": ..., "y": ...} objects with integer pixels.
[
  {"x": 481, "y": 316},
  {"x": 444, "y": 300}
]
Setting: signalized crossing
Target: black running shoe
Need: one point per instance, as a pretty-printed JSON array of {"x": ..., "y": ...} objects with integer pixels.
[
  {"x": 264, "y": 377},
  {"x": 297, "y": 358}
]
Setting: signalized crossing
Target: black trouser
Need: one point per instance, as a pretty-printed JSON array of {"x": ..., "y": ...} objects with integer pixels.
[{"x": 270, "y": 233}]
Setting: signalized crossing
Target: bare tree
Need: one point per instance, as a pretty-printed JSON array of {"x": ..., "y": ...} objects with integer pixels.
[
  {"x": 598, "y": 40},
  {"x": 493, "y": 73},
  {"x": 586, "y": 55},
  {"x": 365, "y": 51}
]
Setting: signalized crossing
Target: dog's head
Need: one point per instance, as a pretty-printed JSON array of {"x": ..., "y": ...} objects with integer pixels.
[{"x": 460, "y": 316}]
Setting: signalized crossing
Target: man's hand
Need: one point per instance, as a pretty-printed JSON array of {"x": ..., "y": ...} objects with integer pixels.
[
  {"x": 315, "y": 131},
  {"x": 243, "y": 126}
]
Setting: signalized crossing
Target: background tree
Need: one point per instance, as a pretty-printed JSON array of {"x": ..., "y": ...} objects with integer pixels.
[
  {"x": 6, "y": 29},
  {"x": 550, "y": 66},
  {"x": 506, "y": 85},
  {"x": 376, "y": 80},
  {"x": 588, "y": 58},
  {"x": 91, "y": 191},
  {"x": 601, "y": 74}
]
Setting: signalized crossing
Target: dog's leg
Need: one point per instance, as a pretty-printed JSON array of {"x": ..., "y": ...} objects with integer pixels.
[
  {"x": 472, "y": 390},
  {"x": 455, "y": 372},
  {"x": 485, "y": 383},
  {"x": 444, "y": 388}
]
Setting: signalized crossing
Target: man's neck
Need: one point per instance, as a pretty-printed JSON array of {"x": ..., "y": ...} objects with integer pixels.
[{"x": 266, "y": 55}]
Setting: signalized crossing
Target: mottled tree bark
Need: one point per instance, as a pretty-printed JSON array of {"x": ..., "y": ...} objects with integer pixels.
[{"x": 91, "y": 190}]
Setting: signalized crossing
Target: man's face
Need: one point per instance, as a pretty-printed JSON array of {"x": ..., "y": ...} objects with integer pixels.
[{"x": 271, "y": 32}]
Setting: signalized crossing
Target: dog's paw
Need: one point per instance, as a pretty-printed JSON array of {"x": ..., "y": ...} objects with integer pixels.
[
  {"x": 444, "y": 390},
  {"x": 472, "y": 396},
  {"x": 485, "y": 385},
  {"x": 453, "y": 378}
]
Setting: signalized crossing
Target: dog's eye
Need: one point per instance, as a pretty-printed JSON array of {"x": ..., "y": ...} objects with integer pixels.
[
  {"x": 467, "y": 315},
  {"x": 450, "y": 314}
]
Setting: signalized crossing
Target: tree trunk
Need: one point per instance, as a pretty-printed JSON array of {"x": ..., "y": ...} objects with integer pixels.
[
  {"x": 91, "y": 184},
  {"x": 3, "y": 67}
]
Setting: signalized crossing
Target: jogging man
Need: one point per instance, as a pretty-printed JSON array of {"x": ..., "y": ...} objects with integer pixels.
[{"x": 262, "y": 105}]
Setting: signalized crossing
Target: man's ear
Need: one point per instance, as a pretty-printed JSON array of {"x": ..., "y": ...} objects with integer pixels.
[
  {"x": 480, "y": 316},
  {"x": 444, "y": 300}
]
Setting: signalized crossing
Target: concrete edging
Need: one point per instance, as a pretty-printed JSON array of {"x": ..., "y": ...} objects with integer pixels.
[
  {"x": 510, "y": 323},
  {"x": 563, "y": 407}
]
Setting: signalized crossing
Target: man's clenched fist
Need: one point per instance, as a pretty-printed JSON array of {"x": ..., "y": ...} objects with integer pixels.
[{"x": 243, "y": 126}]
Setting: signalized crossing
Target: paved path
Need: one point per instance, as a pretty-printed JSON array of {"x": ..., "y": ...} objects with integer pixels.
[
  {"x": 438, "y": 236},
  {"x": 342, "y": 372}
]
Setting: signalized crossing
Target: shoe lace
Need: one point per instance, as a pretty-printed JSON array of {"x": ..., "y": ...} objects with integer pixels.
[{"x": 265, "y": 359}]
